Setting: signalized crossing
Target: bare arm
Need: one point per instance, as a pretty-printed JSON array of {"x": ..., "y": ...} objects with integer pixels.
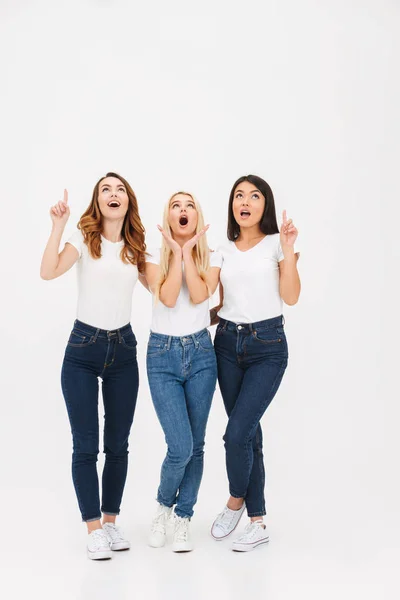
[
  {"x": 214, "y": 318},
  {"x": 289, "y": 280},
  {"x": 171, "y": 287},
  {"x": 54, "y": 263},
  {"x": 143, "y": 281}
]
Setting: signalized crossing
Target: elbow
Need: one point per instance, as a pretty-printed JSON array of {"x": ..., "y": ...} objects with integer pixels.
[
  {"x": 168, "y": 303},
  {"x": 46, "y": 276}
]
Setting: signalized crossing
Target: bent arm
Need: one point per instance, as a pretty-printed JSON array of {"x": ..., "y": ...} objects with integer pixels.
[
  {"x": 55, "y": 264},
  {"x": 289, "y": 280}
]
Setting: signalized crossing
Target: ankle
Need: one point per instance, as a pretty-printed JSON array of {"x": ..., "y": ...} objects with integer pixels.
[{"x": 235, "y": 503}]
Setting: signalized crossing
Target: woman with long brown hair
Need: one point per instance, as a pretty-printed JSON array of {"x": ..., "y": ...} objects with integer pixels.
[{"x": 109, "y": 249}]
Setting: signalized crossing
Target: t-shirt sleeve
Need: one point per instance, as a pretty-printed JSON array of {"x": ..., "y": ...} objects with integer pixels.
[
  {"x": 215, "y": 259},
  {"x": 280, "y": 251},
  {"x": 76, "y": 240},
  {"x": 154, "y": 256}
]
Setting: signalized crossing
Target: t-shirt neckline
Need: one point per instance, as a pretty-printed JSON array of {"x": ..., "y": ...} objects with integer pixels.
[
  {"x": 249, "y": 249},
  {"x": 103, "y": 239}
]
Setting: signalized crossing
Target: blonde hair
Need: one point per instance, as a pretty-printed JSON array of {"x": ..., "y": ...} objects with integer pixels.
[{"x": 200, "y": 252}]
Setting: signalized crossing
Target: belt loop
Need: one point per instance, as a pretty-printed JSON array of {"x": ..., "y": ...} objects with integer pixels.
[
  {"x": 96, "y": 335},
  {"x": 119, "y": 336},
  {"x": 169, "y": 342},
  {"x": 283, "y": 320},
  {"x": 195, "y": 342}
]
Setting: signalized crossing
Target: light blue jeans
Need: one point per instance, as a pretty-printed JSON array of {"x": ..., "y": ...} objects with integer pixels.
[{"x": 182, "y": 374}]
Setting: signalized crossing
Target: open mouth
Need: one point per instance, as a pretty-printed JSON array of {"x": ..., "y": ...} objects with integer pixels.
[
  {"x": 183, "y": 221},
  {"x": 245, "y": 214},
  {"x": 114, "y": 204}
]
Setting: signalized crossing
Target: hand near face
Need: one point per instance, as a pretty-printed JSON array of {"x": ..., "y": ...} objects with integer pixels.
[
  {"x": 190, "y": 244},
  {"x": 171, "y": 243}
]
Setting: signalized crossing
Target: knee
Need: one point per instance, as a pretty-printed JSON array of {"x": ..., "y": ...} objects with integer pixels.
[
  {"x": 115, "y": 448},
  {"x": 180, "y": 455},
  {"x": 234, "y": 436},
  {"x": 85, "y": 447}
]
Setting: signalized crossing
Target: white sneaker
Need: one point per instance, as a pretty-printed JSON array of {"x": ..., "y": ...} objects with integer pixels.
[
  {"x": 115, "y": 536},
  {"x": 254, "y": 535},
  {"x": 226, "y": 522},
  {"x": 181, "y": 539},
  {"x": 98, "y": 547},
  {"x": 158, "y": 531}
]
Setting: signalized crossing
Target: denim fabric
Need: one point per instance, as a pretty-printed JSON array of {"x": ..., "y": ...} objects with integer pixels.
[
  {"x": 182, "y": 374},
  {"x": 92, "y": 353},
  {"x": 251, "y": 359}
]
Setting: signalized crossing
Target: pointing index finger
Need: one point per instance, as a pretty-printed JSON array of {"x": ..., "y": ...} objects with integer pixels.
[{"x": 66, "y": 196}]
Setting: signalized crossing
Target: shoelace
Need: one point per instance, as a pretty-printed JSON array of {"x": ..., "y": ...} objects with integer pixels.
[
  {"x": 225, "y": 518},
  {"x": 181, "y": 529},
  {"x": 250, "y": 531},
  {"x": 158, "y": 523},
  {"x": 115, "y": 533},
  {"x": 98, "y": 539}
]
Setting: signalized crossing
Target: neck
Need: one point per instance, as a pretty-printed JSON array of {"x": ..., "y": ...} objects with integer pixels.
[
  {"x": 112, "y": 230},
  {"x": 182, "y": 239},
  {"x": 249, "y": 234}
]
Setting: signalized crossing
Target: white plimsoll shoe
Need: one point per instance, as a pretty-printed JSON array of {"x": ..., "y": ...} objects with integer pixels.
[
  {"x": 98, "y": 547},
  {"x": 158, "y": 532},
  {"x": 181, "y": 537},
  {"x": 226, "y": 522},
  {"x": 115, "y": 536},
  {"x": 254, "y": 535}
]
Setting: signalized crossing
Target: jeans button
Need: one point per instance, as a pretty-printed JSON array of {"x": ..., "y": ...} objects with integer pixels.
[{"x": 240, "y": 327}]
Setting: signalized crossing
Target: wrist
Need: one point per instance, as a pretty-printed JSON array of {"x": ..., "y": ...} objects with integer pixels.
[{"x": 57, "y": 228}]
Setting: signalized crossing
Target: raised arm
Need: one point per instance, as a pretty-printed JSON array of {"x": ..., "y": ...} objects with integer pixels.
[
  {"x": 198, "y": 288},
  {"x": 289, "y": 280},
  {"x": 54, "y": 263},
  {"x": 171, "y": 287}
]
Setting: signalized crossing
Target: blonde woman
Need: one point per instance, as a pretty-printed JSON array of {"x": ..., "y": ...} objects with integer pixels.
[
  {"x": 109, "y": 250},
  {"x": 181, "y": 363}
]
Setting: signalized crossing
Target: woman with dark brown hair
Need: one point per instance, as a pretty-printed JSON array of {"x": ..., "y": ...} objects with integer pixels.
[{"x": 109, "y": 249}]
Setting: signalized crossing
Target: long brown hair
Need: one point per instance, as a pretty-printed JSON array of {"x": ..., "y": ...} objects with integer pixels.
[{"x": 91, "y": 226}]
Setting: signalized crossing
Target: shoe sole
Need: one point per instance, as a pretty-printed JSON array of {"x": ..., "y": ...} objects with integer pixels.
[
  {"x": 248, "y": 547},
  {"x": 181, "y": 549},
  {"x": 219, "y": 539},
  {"x": 106, "y": 555},
  {"x": 120, "y": 546}
]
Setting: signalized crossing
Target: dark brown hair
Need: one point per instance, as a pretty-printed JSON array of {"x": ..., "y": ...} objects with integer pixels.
[{"x": 268, "y": 223}]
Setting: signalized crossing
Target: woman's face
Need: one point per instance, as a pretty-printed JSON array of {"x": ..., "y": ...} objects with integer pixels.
[
  {"x": 248, "y": 205},
  {"x": 182, "y": 217},
  {"x": 113, "y": 198}
]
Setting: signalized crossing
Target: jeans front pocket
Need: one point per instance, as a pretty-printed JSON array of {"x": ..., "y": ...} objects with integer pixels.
[
  {"x": 78, "y": 339},
  {"x": 273, "y": 335}
]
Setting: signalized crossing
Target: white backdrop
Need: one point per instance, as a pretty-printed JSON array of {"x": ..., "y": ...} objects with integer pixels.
[{"x": 193, "y": 95}]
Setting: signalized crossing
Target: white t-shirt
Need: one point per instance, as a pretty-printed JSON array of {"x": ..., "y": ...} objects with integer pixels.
[
  {"x": 105, "y": 285},
  {"x": 251, "y": 281},
  {"x": 185, "y": 318}
]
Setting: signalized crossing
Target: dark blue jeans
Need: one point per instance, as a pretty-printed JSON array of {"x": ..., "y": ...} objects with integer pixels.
[
  {"x": 252, "y": 359},
  {"x": 92, "y": 353},
  {"x": 182, "y": 374}
]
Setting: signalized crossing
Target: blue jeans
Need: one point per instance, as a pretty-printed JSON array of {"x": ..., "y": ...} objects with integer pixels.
[
  {"x": 252, "y": 359},
  {"x": 92, "y": 353},
  {"x": 182, "y": 374}
]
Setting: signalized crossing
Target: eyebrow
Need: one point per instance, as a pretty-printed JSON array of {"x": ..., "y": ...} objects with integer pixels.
[
  {"x": 255, "y": 190},
  {"x": 109, "y": 185},
  {"x": 179, "y": 201}
]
